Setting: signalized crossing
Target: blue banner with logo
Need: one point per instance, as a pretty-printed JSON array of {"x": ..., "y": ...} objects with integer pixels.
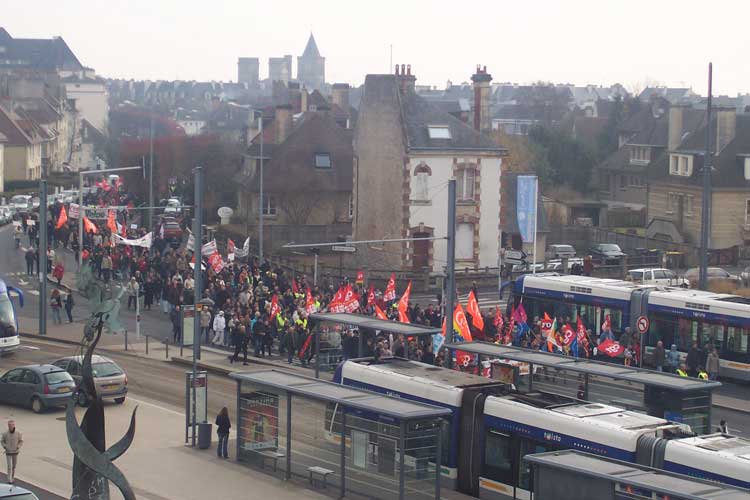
[{"x": 526, "y": 206}]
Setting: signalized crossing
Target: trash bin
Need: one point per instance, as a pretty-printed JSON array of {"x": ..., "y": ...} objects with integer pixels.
[{"x": 204, "y": 435}]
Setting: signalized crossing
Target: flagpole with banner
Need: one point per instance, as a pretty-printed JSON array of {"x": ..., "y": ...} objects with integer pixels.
[
  {"x": 527, "y": 196},
  {"x": 536, "y": 218}
]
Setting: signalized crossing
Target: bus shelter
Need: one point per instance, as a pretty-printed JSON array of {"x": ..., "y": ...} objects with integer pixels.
[
  {"x": 574, "y": 474},
  {"x": 678, "y": 399},
  {"x": 342, "y": 335},
  {"x": 351, "y": 441}
]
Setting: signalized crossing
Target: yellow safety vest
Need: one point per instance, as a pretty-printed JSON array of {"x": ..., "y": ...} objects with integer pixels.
[
  {"x": 280, "y": 320},
  {"x": 703, "y": 375},
  {"x": 681, "y": 372}
]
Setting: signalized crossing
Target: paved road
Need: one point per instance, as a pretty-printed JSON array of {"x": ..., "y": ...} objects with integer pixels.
[{"x": 40, "y": 492}]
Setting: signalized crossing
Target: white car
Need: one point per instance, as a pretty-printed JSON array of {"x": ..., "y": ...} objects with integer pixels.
[{"x": 657, "y": 276}]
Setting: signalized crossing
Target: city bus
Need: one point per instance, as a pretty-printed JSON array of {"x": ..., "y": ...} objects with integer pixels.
[
  {"x": 9, "y": 338},
  {"x": 677, "y": 315}
]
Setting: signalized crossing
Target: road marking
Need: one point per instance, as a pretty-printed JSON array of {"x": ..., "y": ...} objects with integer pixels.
[
  {"x": 30, "y": 347},
  {"x": 153, "y": 405},
  {"x": 34, "y": 292}
]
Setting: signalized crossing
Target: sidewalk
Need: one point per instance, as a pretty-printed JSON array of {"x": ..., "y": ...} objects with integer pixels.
[{"x": 158, "y": 466}]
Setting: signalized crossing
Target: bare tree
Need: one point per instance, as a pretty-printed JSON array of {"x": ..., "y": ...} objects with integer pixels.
[{"x": 299, "y": 207}]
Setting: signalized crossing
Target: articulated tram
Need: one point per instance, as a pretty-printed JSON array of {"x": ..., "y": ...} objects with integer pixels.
[
  {"x": 677, "y": 316},
  {"x": 9, "y": 338},
  {"x": 492, "y": 427}
]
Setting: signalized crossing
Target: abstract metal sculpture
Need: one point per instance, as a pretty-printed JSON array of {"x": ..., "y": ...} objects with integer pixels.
[
  {"x": 92, "y": 462},
  {"x": 101, "y": 297}
]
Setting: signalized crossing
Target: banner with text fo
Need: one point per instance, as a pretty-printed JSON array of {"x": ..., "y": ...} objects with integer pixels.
[{"x": 526, "y": 206}]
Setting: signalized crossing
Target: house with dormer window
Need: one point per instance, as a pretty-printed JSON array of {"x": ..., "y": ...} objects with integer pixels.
[
  {"x": 406, "y": 150},
  {"x": 675, "y": 180}
]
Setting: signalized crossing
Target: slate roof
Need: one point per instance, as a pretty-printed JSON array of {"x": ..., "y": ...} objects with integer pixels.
[
  {"x": 13, "y": 132},
  {"x": 418, "y": 113},
  {"x": 728, "y": 165},
  {"x": 311, "y": 49},
  {"x": 291, "y": 167},
  {"x": 529, "y": 112},
  {"x": 42, "y": 54}
]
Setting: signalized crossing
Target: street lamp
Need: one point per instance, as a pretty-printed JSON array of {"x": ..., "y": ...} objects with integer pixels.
[{"x": 206, "y": 302}]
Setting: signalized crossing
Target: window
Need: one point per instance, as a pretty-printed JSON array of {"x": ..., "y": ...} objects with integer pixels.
[
  {"x": 269, "y": 206},
  {"x": 737, "y": 339},
  {"x": 465, "y": 184},
  {"x": 688, "y": 204},
  {"x": 421, "y": 182},
  {"x": 465, "y": 241},
  {"x": 439, "y": 132},
  {"x": 322, "y": 160},
  {"x": 623, "y": 181},
  {"x": 529, "y": 448},
  {"x": 351, "y": 207},
  {"x": 498, "y": 457},
  {"x": 681, "y": 165},
  {"x": 640, "y": 155}
]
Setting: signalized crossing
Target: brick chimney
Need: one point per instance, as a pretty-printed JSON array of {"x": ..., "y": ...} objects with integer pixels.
[
  {"x": 726, "y": 127},
  {"x": 404, "y": 78},
  {"x": 340, "y": 95},
  {"x": 676, "y": 127},
  {"x": 481, "y": 105},
  {"x": 282, "y": 122}
]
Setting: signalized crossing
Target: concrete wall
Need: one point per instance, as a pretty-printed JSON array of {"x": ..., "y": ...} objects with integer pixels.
[
  {"x": 612, "y": 190},
  {"x": 379, "y": 168},
  {"x": 658, "y": 206},
  {"x": 91, "y": 102},
  {"x": 22, "y": 163}
]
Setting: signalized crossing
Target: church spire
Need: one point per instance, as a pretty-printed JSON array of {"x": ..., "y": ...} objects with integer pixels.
[{"x": 311, "y": 49}]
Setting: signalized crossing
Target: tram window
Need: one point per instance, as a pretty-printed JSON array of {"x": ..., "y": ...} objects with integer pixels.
[
  {"x": 615, "y": 316},
  {"x": 498, "y": 458},
  {"x": 737, "y": 340},
  {"x": 712, "y": 334},
  {"x": 528, "y": 448},
  {"x": 445, "y": 440}
]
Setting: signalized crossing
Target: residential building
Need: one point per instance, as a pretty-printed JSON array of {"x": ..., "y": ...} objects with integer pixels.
[
  {"x": 406, "y": 150},
  {"x": 675, "y": 180},
  {"x": 673, "y": 95},
  {"x": 34, "y": 56},
  {"x": 22, "y": 154},
  {"x": 248, "y": 70},
  {"x": 89, "y": 93},
  {"x": 88, "y": 147},
  {"x": 192, "y": 121},
  {"x": 311, "y": 66}
]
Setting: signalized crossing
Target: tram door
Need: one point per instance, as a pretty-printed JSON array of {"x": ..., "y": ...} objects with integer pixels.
[{"x": 471, "y": 431}]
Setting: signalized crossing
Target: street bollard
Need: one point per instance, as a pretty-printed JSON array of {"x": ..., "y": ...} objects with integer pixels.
[
  {"x": 181, "y": 346},
  {"x": 166, "y": 342},
  {"x": 146, "y": 345},
  {"x": 126, "y": 340}
]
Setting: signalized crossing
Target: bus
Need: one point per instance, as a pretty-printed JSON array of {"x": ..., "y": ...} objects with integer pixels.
[
  {"x": 9, "y": 338},
  {"x": 677, "y": 315}
]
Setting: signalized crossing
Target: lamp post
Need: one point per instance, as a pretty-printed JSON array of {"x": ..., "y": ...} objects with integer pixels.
[
  {"x": 196, "y": 342},
  {"x": 260, "y": 197}
]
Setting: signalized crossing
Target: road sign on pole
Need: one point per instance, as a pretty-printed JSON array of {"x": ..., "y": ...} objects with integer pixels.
[
  {"x": 642, "y": 324},
  {"x": 515, "y": 257},
  {"x": 343, "y": 248}
]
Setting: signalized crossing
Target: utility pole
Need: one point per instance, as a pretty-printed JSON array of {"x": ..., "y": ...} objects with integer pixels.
[
  {"x": 151, "y": 174},
  {"x": 706, "y": 201},
  {"x": 260, "y": 214},
  {"x": 197, "y": 275},
  {"x": 43, "y": 257},
  {"x": 450, "y": 288}
]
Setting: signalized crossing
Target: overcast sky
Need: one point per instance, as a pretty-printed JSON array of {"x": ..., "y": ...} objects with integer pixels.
[{"x": 632, "y": 42}]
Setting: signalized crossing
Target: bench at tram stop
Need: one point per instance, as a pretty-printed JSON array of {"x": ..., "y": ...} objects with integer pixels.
[
  {"x": 272, "y": 455},
  {"x": 321, "y": 472}
]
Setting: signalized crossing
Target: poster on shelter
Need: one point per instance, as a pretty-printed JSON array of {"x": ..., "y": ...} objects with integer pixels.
[{"x": 259, "y": 414}]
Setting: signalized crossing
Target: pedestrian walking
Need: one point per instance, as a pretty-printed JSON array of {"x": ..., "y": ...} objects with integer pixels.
[
  {"x": 58, "y": 272},
  {"x": 69, "y": 303},
  {"x": 56, "y": 305},
  {"x": 673, "y": 358},
  {"x": 692, "y": 361},
  {"x": 12, "y": 441},
  {"x": 219, "y": 326},
  {"x": 659, "y": 356},
  {"x": 132, "y": 290},
  {"x": 30, "y": 259},
  {"x": 713, "y": 364},
  {"x": 240, "y": 340},
  {"x": 723, "y": 427},
  {"x": 176, "y": 327},
  {"x": 222, "y": 429}
]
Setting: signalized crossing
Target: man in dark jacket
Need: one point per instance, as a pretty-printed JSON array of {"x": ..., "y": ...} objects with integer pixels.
[
  {"x": 659, "y": 356},
  {"x": 693, "y": 360}
]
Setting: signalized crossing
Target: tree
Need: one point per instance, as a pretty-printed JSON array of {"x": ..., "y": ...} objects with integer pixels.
[
  {"x": 562, "y": 159},
  {"x": 609, "y": 138}
]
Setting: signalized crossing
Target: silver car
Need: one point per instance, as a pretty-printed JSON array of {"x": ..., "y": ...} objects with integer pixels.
[
  {"x": 13, "y": 492},
  {"x": 110, "y": 380},
  {"x": 37, "y": 386}
]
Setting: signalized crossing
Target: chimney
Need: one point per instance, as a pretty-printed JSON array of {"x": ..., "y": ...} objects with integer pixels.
[
  {"x": 340, "y": 95},
  {"x": 404, "y": 78},
  {"x": 481, "y": 105},
  {"x": 295, "y": 97},
  {"x": 282, "y": 122},
  {"x": 303, "y": 95},
  {"x": 726, "y": 126},
  {"x": 676, "y": 126}
]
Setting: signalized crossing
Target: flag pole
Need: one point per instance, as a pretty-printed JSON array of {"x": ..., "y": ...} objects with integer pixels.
[{"x": 536, "y": 218}]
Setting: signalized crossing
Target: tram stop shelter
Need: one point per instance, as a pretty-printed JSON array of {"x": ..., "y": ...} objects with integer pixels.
[
  {"x": 347, "y": 335},
  {"x": 678, "y": 399},
  {"x": 574, "y": 474},
  {"x": 349, "y": 441}
]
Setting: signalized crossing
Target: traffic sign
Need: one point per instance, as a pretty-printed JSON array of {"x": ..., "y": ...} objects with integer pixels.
[
  {"x": 343, "y": 248},
  {"x": 515, "y": 256},
  {"x": 642, "y": 324}
]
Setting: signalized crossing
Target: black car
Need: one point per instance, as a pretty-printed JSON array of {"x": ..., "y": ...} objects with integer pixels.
[{"x": 607, "y": 253}]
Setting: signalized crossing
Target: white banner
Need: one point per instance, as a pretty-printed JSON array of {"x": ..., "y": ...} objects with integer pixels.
[
  {"x": 190, "y": 243},
  {"x": 242, "y": 253},
  {"x": 144, "y": 241}
]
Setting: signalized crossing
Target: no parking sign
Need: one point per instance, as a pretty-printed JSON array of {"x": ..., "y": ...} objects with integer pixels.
[{"x": 642, "y": 324}]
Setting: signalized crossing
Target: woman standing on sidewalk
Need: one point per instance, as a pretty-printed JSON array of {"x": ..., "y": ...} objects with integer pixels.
[
  {"x": 222, "y": 428},
  {"x": 56, "y": 304}
]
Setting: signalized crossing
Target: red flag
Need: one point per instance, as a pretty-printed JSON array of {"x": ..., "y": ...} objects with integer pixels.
[
  {"x": 305, "y": 345},
  {"x": 473, "y": 308},
  {"x": 351, "y": 300},
  {"x": 607, "y": 325},
  {"x": 360, "y": 278},
  {"x": 337, "y": 302},
  {"x": 403, "y": 304},
  {"x": 521, "y": 316},
  {"x": 216, "y": 262},
  {"x": 62, "y": 219},
  {"x": 111, "y": 222},
  {"x": 460, "y": 323},
  {"x": 371, "y": 296},
  {"x": 568, "y": 335},
  {"x": 581, "y": 334},
  {"x": 611, "y": 348},
  {"x": 230, "y": 246},
  {"x": 89, "y": 226},
  {"x": 379, "y": 313},
  {"x": 275, "y": 307},
  {"x": 390, "y": 289},
  {"x": 310, "y": 303},
  {"x": 295, "y": 288},
  {"x": 498, "y": 321}
]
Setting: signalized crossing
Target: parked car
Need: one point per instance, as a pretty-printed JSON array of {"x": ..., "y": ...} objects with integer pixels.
[
  {"x": 37, "y": 386},
  {"x": 657, "y": 276},
  {"x": 606, "y": 252},
  {"x": 110, "y": 380},
  {"x": 560, "y": 251},
  {"x": 21, "y": 203},
  {"x": 6, "y": 215},
  {"x": 13, "y": 492},
  {"x": 171, "y": 230},
  {"x": 715, "y": 275}
]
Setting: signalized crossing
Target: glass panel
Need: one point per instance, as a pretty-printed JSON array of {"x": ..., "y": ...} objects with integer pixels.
[
  {"x": 498, "y": 459},
  {"x": 524, "y": 472}
]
